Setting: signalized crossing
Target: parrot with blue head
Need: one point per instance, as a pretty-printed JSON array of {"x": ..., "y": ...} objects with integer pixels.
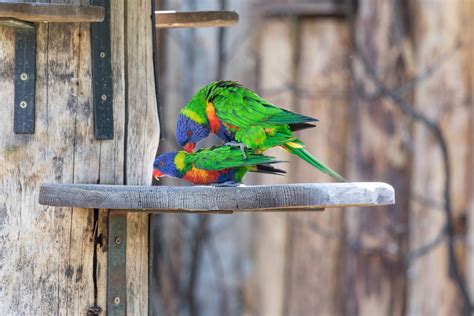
[
  {"x": 241, "y": 118},
  {"x": 223, "y": 165}
]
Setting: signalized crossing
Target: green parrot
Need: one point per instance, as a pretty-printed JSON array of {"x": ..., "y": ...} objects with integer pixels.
[
  {"x": 223, "y": 165},
  {"x": 240, "y": 117}
]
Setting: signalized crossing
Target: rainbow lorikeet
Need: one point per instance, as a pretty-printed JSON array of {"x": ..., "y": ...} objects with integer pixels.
[
  {"x": 238, "y": 115},
  {"x": 215, "y": 165}
]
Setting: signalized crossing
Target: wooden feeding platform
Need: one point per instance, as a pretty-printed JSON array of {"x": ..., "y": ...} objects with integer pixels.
[
  {"x": 209, "y": 199},
  {"x": 121, "y": 200}
]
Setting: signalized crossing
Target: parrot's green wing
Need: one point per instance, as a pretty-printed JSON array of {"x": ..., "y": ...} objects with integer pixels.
[
  {"x": 223, "y": 157},
  {"x": 239, "y": 106}
]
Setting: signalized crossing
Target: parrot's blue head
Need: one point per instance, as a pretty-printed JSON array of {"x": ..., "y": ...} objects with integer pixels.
[
  {"x": 189, "y": 132},
  {"x": 164, "y": 165}
]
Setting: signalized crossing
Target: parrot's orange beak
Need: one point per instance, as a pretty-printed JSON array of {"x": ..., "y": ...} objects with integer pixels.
[
  {"x": 157, "y": 174},
  {"x": 189, "y": 147}
]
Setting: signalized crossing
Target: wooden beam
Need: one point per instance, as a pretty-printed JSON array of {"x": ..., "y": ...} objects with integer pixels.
[
  {"x": 310, "y": 196},
  {"x": 320, "y": 9},
  {"x": 45, "y": 12},
  {"x": 173, "y": 19}
]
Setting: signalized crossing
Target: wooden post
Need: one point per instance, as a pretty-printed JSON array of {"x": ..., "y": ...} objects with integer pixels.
[
  {"x": 53, "y": 260},
  {"x": 444, "y": 45},
  {"x": 323, "y": 53},
  {"x": 267, "y": 291},
  {"x": 377, "y": 237}
]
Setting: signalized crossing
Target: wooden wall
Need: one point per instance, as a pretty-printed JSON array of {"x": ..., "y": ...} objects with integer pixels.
[
  {"x": 374, "y": 80},
  {"x": 54, "y": 260}
]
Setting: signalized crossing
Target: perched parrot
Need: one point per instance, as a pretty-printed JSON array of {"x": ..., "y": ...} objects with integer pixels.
[
  {"x": 223, "y": 165},
  {"x": 240, "y": 117}
]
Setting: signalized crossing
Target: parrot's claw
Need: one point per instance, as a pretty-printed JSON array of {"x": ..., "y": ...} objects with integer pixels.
[
  {"x": 240, "y": 145},
  {"x": 228, "y": 184}
]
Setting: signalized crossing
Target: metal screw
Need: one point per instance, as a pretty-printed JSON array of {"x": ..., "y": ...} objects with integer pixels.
[
  {"x": 23, "y": 104},
  {"x": 23, "y": 76},
  {"x": 117, "y": 300},
  {"x": 102, "y": 54},
  {"x": 103, "y": 97},
  {"x": 118, "y": 240}
]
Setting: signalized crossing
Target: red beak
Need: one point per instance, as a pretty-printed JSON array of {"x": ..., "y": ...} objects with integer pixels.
[
  {"x": 157, "y": 174},
  {"x": 189, "y": 147}
]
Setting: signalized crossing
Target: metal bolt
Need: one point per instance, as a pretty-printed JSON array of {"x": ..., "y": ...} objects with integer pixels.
[
  {"x": 23, "y": 76},
  {"x": 118, "y": 240},
  {"x": 23, "y": 104},
  {"x": 117, "y": 300},
  {"x": 103, "y": 97},
  {"x": 102, "y": 54}
]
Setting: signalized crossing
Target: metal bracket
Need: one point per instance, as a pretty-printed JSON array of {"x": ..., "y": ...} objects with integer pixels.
[
  {"x": 102, "y": 75},
  {"x": 25, "y": 78},
  {"x": 116, "y": 261},
  {"x": 25, "y": 75}
]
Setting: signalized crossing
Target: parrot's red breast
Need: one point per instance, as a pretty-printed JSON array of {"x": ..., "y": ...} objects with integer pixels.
[
  {"x": 214, "y": 122},
  {"x": 199, "y": 176}
]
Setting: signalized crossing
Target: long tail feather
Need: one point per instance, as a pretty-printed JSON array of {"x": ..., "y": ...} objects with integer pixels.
[
  {"x": 268, "y": 169},
  {"x": 313, "y": 161},
  {"x": 300, "y": 126}
]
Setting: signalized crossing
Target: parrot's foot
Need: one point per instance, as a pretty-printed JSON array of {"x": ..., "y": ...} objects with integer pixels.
[
  {"x": 230, "y": 184},
  {"x": 240, "y": 145}
]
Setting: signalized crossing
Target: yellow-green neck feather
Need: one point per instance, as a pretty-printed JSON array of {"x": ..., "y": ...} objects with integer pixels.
[{"x": 196, "y": 107}]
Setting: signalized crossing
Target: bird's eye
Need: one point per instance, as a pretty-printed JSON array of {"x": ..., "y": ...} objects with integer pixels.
[
  {"x": 189, "y": 133},
  {"x": 161, "y": 163}
]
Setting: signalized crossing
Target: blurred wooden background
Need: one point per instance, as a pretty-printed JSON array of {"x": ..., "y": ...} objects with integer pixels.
[{"x": 392, "y": 83}]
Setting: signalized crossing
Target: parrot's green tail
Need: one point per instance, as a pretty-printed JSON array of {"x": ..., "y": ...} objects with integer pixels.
[{"x": 313, "y": 161}]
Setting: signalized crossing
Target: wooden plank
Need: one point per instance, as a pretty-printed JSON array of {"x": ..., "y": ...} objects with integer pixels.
[
  {"x": 141, "y": 141},
  {"x": 55, "y": 251},
  {"x": 173, "y": 19},
  {"x": 378, "y": 152},
  {"x": 46, "y": 12},
  {"x": 309, "y": 195},
  {"x": 111, "y": 156},
  {"x": 56, "y": 263},
  {"x": 446, "y": 98},
  {"x": 328, "y": 101},
  {"x": 275, "y": 69}
]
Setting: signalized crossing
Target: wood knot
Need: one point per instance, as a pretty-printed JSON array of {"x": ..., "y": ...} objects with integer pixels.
[{"x": 94, "y": 310}]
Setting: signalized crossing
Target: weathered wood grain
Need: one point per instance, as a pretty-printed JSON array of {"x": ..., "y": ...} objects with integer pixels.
[
  {"x": 378, "y": 152},
  {"x": 266, "y": 291},
  {"x": 309, "y": 195},
  {"x": 55, "y": 263},
  {"x": 141, "y": 141},
  {"x": 46, "y": 12},
  {"x": 328, "y": 101},
  {"x": 47, "y": 258},
  {"x": 443, "y": 42},
  {"x": 172, "y": 19}
]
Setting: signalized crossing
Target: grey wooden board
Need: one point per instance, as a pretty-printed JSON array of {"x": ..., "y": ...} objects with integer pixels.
[{"x": 280, "y": 197}]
